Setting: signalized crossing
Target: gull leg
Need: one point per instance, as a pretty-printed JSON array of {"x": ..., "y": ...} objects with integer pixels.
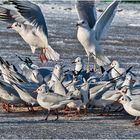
[
  {"x": 32, "y": 109},
  {"x": 40, "y": 56},
  {"x": 137, "y": 121},
  {"x": 95, "y": 67},
  {"x": 88, "y": 66},
  {"x": 56, "y": 113},
  {"x": 48, "y": 113},
  {"x": 3, "y": 105},
  {"x": 44, "y": 54},
  {"x": 65, "y": 110},
  {"x": 12, "y": 106},
  {"x": 7, "y": 107},
  {"x": 78, "y": 112},
  {"x": 85, "y": 110}
]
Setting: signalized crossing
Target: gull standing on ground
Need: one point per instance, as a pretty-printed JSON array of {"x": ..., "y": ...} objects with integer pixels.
[
  {"x": 131, "y": 106},
  {"x": 51, "y": 101},
  {"x": 25, "y": 96},
  {"x": 90, "y": 30},
  {"x": 29, "y": 22},
  {"x": 8, "y": 96}
]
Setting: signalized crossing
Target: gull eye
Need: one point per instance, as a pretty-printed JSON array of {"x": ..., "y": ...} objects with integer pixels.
[
  {"x": 16, "y": 24},
  {"x": 83, "y": 22},
  {"x": 19, "y": 25}
]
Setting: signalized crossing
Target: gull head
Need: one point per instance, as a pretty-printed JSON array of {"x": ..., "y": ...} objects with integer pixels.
[
  {"x": 82, "y": 23},
  {"x": 115, "y": 64},
  {"x": 41, "y": 89},
  {"x": 78, "y": 64},
  {"x": 16, "y": 26},
  {"x": 124, "y": 99},
  {"x": 77, "y": 60}
]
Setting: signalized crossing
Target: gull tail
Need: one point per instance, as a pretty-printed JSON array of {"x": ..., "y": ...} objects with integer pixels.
[
  {"x": 51, "y": 54},
  {"x": 102, "y": 60}
]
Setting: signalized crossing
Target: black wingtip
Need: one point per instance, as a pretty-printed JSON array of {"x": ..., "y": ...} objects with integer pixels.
[
  {"x": 129, "y": 69},
  {"x": 102, "y": 69}
]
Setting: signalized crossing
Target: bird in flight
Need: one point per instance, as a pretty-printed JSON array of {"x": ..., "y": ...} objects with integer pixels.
[
  {"x": 90, "y": 29},
  {"x": 29, "y": 22}
]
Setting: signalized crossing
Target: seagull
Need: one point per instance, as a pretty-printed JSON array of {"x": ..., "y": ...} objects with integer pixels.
[
  {"x": 29, "y": 22},
  {"x": 51, "y": 100},
  {"x": 116, "y": 70},
  {"x": 90, "y": 30},
  {"x": 131, "y": 106},
  {"x": 9, "y": 72},
  {"x": 79, "y": 69},
  {"x": 32, "y": 71},
  {"x": 78, "y": 65},
  {"x": 28, "y": 62},
  {"x": 58, "y": 86},
  {"x": 31, "y": 74},
  {"x": 8, "y": 95},
  {"x": 25, "y": 96},
  {"x": 82, "y": 95},
  {"x": 56, "y": 73}
]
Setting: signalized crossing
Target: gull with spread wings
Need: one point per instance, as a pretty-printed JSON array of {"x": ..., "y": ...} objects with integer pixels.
[
  {"x": 90, "y": 29},
  {"x": 29, "y": 22}
]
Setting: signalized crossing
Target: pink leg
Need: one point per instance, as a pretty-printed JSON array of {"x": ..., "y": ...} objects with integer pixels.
[
  {"x": 32, "y": 109},
  {"x": 40, "y": 55},
  {"x": 3, "y": 105},
  {"x": 45, "y": 58},
  {"x": 7, "y": 107}
]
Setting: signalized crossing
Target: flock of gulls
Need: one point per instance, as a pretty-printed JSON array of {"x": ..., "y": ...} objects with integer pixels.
[{"x": 112, "y": 88}]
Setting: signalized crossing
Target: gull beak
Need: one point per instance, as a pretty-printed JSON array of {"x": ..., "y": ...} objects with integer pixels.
[
  {"x": 77, "y": 24},
  {"x": 119, "y": 101},
  {"x": 110, "y": 69},
  {"x": 9, "y": 27},
  {"x": 73, "y": 62},
  {"x": 63, "y": 66},
  {"x": 133, "y": 81}
]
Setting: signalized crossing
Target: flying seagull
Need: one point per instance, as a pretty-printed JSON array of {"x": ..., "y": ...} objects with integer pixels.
[
  {"x": 29, "y": 22},
  {"x": 90, "y": 29}
]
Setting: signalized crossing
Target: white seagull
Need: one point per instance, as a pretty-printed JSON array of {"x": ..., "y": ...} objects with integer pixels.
[
  {"x": 131, "y": 106},
  {"x": 29, "y": 22},
  {"x": 90, "y": 30}
]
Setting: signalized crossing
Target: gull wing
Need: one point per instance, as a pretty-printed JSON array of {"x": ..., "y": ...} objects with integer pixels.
[
  {"x": 32, "y": 13},
  {"x": 105, "y": 19},
  {"x": 87, "y": 11}
]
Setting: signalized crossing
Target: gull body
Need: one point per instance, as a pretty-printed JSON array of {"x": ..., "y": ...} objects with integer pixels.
[
  {"x": 51, "y": 101},
  {"x": 90, "y": 30},
  {"x": 132, "y": 107},
  {"x": 25, "y": 96},
  {"x": 29, "y": 22}
]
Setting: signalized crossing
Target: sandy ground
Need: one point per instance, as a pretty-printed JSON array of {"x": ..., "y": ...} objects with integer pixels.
[
  {"x": 121, "y": 42},
  {"x": 24, "y": 124}
]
